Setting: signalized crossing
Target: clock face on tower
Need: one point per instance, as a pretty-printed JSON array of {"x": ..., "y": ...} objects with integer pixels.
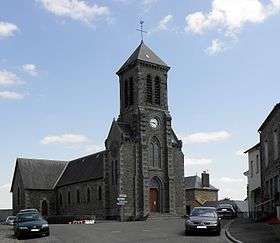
[{"x": 154, "y": 123}]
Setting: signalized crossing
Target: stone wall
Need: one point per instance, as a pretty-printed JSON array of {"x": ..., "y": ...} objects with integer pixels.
[
  {"x": 18, "y": 193},
  {"x": 270, "y": 170},
  {"x": 96, "y": 205},
  {"x": 34, "y": 199}
]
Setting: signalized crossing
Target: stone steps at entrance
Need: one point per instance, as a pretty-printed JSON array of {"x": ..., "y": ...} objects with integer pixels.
[{"x": 162, "y": 216}]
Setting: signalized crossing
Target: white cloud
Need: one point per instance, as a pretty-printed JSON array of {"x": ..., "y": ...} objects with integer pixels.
[
  {"x": 206, "y": 137},
  {"x": 76, "y": 10},
  {"x": 8, "y": 78},
  {"x": 163, "y": 23},
  {"x": 30, "y": 69},
  {"x": 229, "y": 180},
  {"x": 230, "y": 15},
  {"x": 66, "y": 139},
  {"x": 148, "y": 4},
  {"x": 10, "y": 95},
  {"x": 6, "y": 197},
  {"x": 216, "y": 47},
  {"x": 198, "y": 161},
  {"x": 92, "y": 148},
  {"x": 7, "y": 29}
]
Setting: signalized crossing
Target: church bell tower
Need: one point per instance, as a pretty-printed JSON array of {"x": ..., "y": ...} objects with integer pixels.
[{"x": 158, "y": 164}]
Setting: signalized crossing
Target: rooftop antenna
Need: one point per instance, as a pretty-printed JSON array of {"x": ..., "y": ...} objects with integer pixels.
[{"x": 141, "y": 29}]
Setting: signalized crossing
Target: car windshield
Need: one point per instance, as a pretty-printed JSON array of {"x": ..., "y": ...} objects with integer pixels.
[
  {"x": 204, "y": 212},
  {"x": 29, "y": 217}
]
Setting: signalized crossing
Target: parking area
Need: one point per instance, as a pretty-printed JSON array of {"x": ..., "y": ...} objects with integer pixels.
[{"x": 168, "y": 230}]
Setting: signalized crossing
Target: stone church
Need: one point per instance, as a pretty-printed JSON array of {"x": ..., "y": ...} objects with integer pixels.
[{"x": 142, "y": 160}]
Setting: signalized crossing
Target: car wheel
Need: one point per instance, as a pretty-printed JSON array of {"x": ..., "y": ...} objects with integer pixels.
[{"x": 187, "y": 232}]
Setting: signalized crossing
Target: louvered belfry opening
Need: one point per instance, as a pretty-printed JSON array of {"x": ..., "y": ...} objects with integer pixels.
[
  {"x": 157, "y": 90},
  {"x": 149, "y": 90},
  {"x": 131, "y": 91},
  {"x": 126, "y": 93}
]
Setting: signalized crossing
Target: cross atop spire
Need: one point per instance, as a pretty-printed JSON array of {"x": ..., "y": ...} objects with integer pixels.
[{"x": 141, "y": 29}]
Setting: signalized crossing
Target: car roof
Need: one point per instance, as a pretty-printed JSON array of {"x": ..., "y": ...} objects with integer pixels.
[{"x": 204, "y": 208}]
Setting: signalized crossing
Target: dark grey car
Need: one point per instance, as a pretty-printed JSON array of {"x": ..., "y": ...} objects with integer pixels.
[
  {"x": 203, "y": 219},
  {"x": 30, "y": 224}
]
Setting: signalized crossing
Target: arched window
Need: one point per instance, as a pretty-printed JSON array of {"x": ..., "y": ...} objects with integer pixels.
[
  {"x": 60, "y": 199},
  {"x": 157, "y": 90},
  {"x": 99, "y": 193},
  {"x": 131, "y": 91},
  {"x": 88, "y": 195},
  {"x": 155, "y": 159},
  {"x": 126, "y": 93},
  {"x": 78, "y": 196},
  {"x": 69, "y": 197},
  {"x": 149, "y": 89}
]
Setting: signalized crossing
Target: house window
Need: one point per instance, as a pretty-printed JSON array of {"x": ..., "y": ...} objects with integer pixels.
[
  {"x": 99, "y": 193},
  {"x": 60, "y": 199},
  {"x": 275, "y": 144},
  {"x": 131, "y": 91},
  {"x": 126, "y": 93},
  {"x": 155, "y": 154},
  {"x": 157, "y": 90},
  {"x": 276, "y": 184},
  {"x": 266, "y": 189},
  {"x": 69, "y": 197},
  {"x": 257, "y": 164},
  {"x": 266, "y": 153},
  {"x": 149, "y": 90},
  {"x": 252, "y": 168},
  {"x": 78, "y": 196},
  {"x": 88, "y": 195}
]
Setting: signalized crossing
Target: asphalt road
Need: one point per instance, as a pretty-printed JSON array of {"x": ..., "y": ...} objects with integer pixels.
[{"x": 168, "y": 230}]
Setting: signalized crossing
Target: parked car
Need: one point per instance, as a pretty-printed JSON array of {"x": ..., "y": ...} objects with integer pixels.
[
  {"x": 203, "y": 219},
  {"x": 30, "y": 224},
  {"x": 10, "y": 220},
  {"x": 226, "y": 211},
  {"x": 29, "y": 210}
]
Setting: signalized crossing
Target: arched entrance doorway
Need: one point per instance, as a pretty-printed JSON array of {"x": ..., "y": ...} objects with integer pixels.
[
  {"x": 155, "y": 195},
  {"x": 44, "y": 208}
]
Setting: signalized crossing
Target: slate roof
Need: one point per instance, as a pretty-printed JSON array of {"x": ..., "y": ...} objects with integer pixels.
[
  {"x": 194, "y": 182},
  {"x": 143, "y": 53},
  {"x": 276, "y": 107},
  {"x": 38, "y": 173},
  {"x": 257, "y": 146},
  {"x": 83, "y": 169}
]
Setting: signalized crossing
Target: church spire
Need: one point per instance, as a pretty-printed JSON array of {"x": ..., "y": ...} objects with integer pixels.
[{"x": 145, "y": 54}]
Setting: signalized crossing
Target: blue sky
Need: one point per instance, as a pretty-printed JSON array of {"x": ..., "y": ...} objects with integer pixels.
[{"x": 59, "y": 92}]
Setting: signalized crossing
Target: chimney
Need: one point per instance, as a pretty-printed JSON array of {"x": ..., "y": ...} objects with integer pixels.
[{"x": 205, "y": 179}]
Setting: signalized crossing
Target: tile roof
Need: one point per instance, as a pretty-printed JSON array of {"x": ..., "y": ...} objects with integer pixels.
[
  {"x": 40, "y": 174},
  {"x": 143, "y": 53},
  {"x": 83, "y": 169},
  {"x": 194, "y": 182}
]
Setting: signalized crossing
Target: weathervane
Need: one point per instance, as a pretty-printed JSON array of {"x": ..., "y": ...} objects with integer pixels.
[{"x": 141, "y": 29}]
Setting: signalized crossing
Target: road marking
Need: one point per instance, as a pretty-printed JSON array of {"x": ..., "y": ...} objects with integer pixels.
[
  {"x": 115, "y": 231},
  {"x": 146, "y": 230}
]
